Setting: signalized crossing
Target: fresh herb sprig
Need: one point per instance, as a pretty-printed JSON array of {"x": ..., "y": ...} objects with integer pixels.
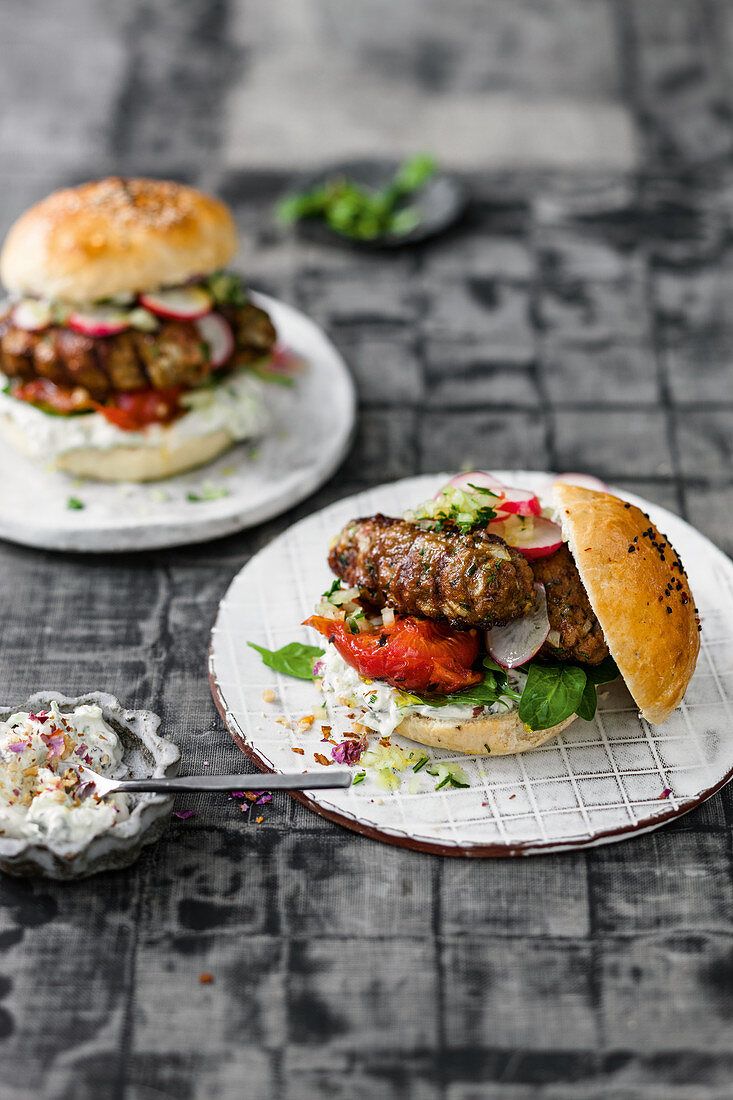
[{"x": 359, "y": 212}]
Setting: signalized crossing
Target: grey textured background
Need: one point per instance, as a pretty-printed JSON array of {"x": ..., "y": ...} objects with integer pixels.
[{"x": 579, "y": 318}]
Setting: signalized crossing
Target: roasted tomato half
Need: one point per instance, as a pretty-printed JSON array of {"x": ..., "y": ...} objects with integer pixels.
[
  {"x": 414, "y": 655},
  {"x": 59, "y": 399},
  {"x": 135, "y": 409}
]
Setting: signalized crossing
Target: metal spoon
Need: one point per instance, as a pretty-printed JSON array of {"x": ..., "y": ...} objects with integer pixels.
[{"x": 303, "y": 781}]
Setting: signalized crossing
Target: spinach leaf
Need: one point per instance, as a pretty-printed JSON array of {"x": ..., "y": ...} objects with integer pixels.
[
  {"x": 293, "y": 659},
  {"x": 484, "y": 694},
  {"x": 551, "y": 694},
  {"x": 589, "y": 702},
  {"x": 603, "y": 673}
]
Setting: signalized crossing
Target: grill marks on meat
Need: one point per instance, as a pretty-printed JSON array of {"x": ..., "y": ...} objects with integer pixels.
[
  {"x": 174, "y": 355},
  {"x": 569, "y": 611},
  {"x": 467, "y": 580}
]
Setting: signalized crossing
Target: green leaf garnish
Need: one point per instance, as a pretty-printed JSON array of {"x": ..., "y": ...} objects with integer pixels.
[
  {"x": 421, "y": 763},
  {"x": 358, "y": 778},
  {"x": 359, "y": 212},
  {"x": 494, "y": 687},
  {"x": 227, "y": 289},
  {"x": 294, "y": 659},
  {"x": 551, "y": 694},
  {"x": 75, "y": 504}
]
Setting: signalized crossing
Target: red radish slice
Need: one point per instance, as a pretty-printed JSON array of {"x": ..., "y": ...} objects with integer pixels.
[
  {"x": 478, "y": 477},
  {"x": 519, "y": 502},
  {"x": 180, "y": 303},
  {"x": 517, "y": 642},
  {"x": 99, "y": 321},
  {"x": 541, "y": 538},
  {"x": 215, "y": 332},
  {"x": 583, "y": 481},
  {"x": 32, "y": 315}
]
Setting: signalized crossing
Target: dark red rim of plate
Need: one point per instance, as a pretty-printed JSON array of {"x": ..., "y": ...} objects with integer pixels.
[{"x": 475, "y": 851}]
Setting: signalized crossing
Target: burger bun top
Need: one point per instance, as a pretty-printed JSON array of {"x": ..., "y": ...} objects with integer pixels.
[
  {"x": 115, "y": 236},
  {"x": 639, "y": 591}
]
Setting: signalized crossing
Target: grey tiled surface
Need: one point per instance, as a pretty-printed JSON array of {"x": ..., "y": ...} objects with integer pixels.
[{"x": 580, "y": 317}]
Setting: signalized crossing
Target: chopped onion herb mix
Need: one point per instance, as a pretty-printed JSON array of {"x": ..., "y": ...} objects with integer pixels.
[{"x": 455, "y": 508}]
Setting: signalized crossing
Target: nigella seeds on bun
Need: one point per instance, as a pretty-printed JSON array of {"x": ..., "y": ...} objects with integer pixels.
[
  {"x": 126, "y": 352},
  {"x": 477, "y": 623},
  {"x": 638, "y": 589}
]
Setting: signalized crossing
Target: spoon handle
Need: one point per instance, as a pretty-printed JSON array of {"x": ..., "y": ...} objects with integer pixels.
[{"x": 308, "y": 781}]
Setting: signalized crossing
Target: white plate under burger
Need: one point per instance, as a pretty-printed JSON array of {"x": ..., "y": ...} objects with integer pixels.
[
  {"x": 596, "y": 782},
  {"x": 311, "y": 424}
]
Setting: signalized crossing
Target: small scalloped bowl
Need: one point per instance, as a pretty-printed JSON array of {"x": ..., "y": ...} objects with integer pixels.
[{"x": 146, "y": 755}]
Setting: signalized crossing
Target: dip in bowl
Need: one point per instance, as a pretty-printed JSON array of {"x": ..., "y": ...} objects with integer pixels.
[{"x": 51, "y": 823}]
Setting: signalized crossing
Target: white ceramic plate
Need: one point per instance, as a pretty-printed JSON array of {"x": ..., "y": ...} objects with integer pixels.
[
  {"x": 598, "y": 782},
  {"x": 310, "y": 433}
]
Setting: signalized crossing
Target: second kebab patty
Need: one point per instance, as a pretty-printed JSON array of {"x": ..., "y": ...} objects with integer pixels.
[{"x": 467, "y": 580}]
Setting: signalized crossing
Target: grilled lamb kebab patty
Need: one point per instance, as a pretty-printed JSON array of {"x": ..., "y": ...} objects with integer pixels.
[
  {"x": 467, "y": 580},
  {"x": 471, "y": 580},
  {"x": 569, "y": 611},
  {"x": 173, "y": 355}
]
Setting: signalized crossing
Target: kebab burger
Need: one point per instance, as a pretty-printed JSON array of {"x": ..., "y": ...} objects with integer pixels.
[
  {"x": 127, "y": 352},
  {"x": 484, "y": 623}
]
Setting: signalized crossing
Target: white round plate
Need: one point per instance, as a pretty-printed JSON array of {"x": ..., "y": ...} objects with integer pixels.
[
  {"x": 311, "y": 428},
  {"x": 598, "y": 782}
]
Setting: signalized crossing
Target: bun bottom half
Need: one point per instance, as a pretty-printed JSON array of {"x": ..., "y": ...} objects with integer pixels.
[
  {"x": 131, "y": 463},
  {"x": 502, "y": 734}
]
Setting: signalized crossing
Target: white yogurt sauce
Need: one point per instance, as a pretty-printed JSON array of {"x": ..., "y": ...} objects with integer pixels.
[
  {"x": 384, "y": 707},
  {"x": 235, "y": 405},
  {"x": 40, "y": 754}
]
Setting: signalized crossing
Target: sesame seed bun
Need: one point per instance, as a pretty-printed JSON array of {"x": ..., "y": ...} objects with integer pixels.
[
  {"x": 639, "y": 591},
  {"x": 116, "y": 236},
  {"x": 501, "y": 734}
]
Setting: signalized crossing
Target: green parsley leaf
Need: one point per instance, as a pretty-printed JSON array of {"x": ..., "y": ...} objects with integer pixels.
[
  {"x": 75, "y": 504},
  {"x": 294, "y": 659}
]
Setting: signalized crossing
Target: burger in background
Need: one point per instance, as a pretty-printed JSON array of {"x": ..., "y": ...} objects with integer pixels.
[{"x": 127, "y": 352}]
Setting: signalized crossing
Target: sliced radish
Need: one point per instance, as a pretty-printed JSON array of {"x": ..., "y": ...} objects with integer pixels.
[
  {"x": 218, "y": 335},
  {"x": 32, "y": 315},
  {"x": 99, "y": 321},
  {"x": 478, "y": 478},
  {"x": 518, "y": 502},
  {"x": 517, "y": 642},
  {"x": 537, "y": 537},
  {"x": 179, "y": 303},
  {"x": 583, "y": 481}
]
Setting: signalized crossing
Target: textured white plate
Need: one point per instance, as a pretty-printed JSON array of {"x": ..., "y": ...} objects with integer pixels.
[
  {"x": 599, "y": 781},
  {"x": 310, "y": 433}
]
